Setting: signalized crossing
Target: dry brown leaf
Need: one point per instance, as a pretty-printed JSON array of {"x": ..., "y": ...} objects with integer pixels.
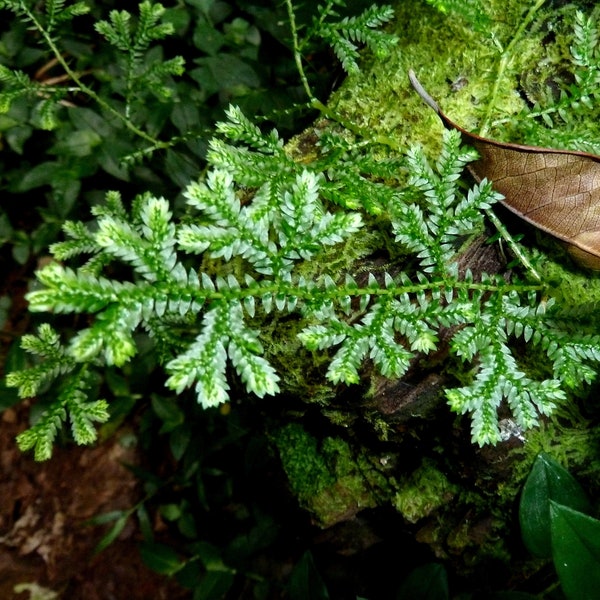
[{"x": 557, "y": 191}]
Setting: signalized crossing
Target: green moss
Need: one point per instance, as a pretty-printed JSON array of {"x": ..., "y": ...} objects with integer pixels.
[
  {"x": 478, "y": 76},
  {"x": 304, "y": 465},
  {"x": 422, "y": 492},
  {"x": 329, "y": 479}
]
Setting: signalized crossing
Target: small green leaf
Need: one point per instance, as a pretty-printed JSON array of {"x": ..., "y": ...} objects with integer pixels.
[
  {"x": 160, "y": 558},
  {"x": 306, "y": 582},
  {"x": 179, "y": 440},
  {"x": 214, "y": 584},
  {"x": 576, "y": 551},
  {"x": 145, "y": 523},
  {"x": 112, "y": 534},
  {"x": 103, "y": 518},
  {"x": 168, "y": 412},
  {"x": 547, "y": 482},
  {"x": 428, "y": 582}
]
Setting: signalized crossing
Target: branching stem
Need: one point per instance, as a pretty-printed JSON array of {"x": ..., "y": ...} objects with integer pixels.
[
  {"x": 74, "y": 76},
  {"x": 505, "y": 59},
  {"x": 289, "y": 289},
  {"x": 317, "y": 104},
  {"x": 491, "y": 215}
]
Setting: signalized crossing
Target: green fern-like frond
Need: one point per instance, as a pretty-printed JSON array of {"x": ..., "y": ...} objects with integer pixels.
[
  {"x": 51, "y": 15},
  {"x": 452, "y": 215},
  {"x": 72, "y": 403},
  {"x": 56, "y": 362},
  {"x": 57, "y": 12},
  {"x": 258, "y": 226},
  {"x": 498, "y": 375},
  {"x": 133, "y": 38},
  {"x": 238, "y": 128},
  {"x": 15, "y": 84},
  {"x": 345, "y": 35},
  {"x": 301, "y": 224}
]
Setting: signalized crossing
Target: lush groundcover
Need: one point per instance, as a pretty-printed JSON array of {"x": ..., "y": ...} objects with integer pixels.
[{"x": 263, "y": 333}]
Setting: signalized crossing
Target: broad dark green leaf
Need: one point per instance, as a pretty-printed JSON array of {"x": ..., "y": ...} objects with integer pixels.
[
  {"x": 145, "y": 523},
  {"x": 209, "y": 555},
  {"x": 6, "y": 230},
  {"x": 41, "y": 174},
  {"x": 160, "y": 558},
  {"x": 179, "y": 18},
  {"x": 207, "y": 38},
  {"x": 179, "y": 440},
  {"x": 78, "y": 143},
  {"x": 214, "y": 585},
  {"x": 306, "y": 582},
  {"x": 576, "y": 552},
  {"x": 17, "y": 136},
  {"x": 8, "y": 396},
  {"x": 231, "y": 72},
  {"x": 547, "y": 481},
  {"x": 87, "y": 119},
  {"x": 168, "y": 412},
  {"x": 428, "y": 582}
]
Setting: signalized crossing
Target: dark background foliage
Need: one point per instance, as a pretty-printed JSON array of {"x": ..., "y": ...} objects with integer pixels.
[
  {"x": 215, "y": 511},
  {"x": 212, "y": 508}
]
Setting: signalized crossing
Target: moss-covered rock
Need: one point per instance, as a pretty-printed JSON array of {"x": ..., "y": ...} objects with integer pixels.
[
  {"x": 328, "y": 477},
  {"x": 459, "y": 499}
]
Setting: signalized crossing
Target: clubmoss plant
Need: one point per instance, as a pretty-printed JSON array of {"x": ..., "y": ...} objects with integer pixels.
[
  {"x": 202, "y": 287},
  {"x": 252, "y": 252}
]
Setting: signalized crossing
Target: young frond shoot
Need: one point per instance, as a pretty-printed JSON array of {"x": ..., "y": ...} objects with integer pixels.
[
  {"x": 345, "y": 35},
  {"x": 256, "y": 224}
]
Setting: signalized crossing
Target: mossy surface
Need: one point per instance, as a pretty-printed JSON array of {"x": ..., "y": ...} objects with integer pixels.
[
  {"x": 483, "y": 80},
  {"x": 422, "y": 492},
  {"x": 329, "y": 478}
]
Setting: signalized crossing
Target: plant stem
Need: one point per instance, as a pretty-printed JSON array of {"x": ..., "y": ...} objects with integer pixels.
[
  {"x": 506, "y": 57},
  {"x": 83, "y": 87},
  {"x": 512, "y": 244},
  {"x": 317, "y": 104},
  {"x": 297, "y": 53},
  {"x": 289, "y": 289}
]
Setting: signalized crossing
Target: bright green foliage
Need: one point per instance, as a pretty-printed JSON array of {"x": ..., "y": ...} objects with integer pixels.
[
  {"x": 343, "y": 36},
  {"x": 202, "y": 287},
  {"x": 473, "y": 11},
  {"x": 56, "y": 362},
  {"x": 585, "y": 57},
  {"x": 133, "y": 43},
  {"x": 254, "y": 248},
  {"x": 562, "y": 92},
  {"x": 71, "y": 398},
  {"x": 433, "y": 239}
]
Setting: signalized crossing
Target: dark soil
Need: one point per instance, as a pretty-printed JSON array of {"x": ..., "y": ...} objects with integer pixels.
[
  {"x": 44, "y": 507},
  {"x": 44, "y": 538}
]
